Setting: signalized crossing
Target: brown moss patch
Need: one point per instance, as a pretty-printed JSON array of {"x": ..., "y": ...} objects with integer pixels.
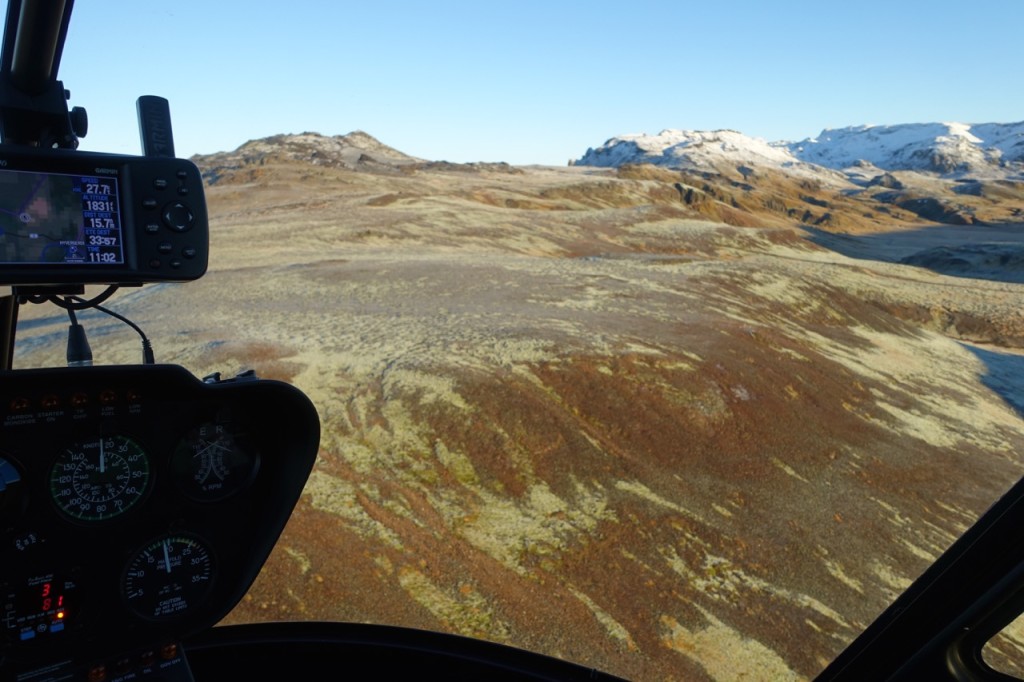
[{"x": 268, "y": 359}]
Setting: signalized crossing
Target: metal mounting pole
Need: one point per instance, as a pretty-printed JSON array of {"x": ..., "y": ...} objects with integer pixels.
[{"x": 8, "y": 325}]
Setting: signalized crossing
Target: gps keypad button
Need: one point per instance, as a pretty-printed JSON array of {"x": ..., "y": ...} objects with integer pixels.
[{"x": 178, "y": 217}]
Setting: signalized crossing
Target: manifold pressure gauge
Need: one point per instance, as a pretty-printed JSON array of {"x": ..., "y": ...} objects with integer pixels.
[
  {"x": 96, "y": 480},
  {"x": 168, "y": 577}
]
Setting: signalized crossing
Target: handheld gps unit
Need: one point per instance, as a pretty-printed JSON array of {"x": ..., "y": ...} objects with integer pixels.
[{"x": 89, "y": 218}]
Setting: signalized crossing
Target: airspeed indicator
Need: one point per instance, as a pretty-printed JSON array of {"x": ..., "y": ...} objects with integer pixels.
[{"x": 96, "y": 480}]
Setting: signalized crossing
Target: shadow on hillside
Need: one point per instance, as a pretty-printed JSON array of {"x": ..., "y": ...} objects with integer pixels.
[
  {"x": 1004, "y": 375},
  {"x": 992, "y": 252}
]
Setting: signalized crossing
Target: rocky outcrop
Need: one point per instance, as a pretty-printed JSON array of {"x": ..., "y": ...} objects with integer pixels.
[
  {"x": 886, "y": 180},
  {"x": 938, "y": 211}
]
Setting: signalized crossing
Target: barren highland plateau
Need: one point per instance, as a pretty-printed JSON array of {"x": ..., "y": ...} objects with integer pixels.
[{"x": 672, "y": 423}]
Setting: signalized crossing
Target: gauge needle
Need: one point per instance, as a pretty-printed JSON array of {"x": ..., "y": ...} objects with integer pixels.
[
  {"x": 103, "y": 458},
  {"x": 215, "y": 446},
  {"x": 167, "y": 557},
  {"x": 206, "y": 447}
]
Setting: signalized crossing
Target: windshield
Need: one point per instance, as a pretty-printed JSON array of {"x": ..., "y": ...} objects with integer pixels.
[{"x": 697, "y": 404}]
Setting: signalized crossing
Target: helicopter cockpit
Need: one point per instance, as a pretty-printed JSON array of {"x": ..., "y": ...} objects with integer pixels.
[{"x": 138, "y": 503}]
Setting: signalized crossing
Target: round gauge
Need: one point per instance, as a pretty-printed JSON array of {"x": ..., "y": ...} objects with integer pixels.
[
  {"x": 11, "y": 492},
  {"x": 99, "y": 479},
  {"x": 214, "y": 461},
  {"x": 168, "y": 577}
]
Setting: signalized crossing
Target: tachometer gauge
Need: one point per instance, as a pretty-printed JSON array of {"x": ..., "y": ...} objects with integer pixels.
[
  {"x": 168, "y": 577},
  {"x": 214, "y": 461},
  {"x": 95, "y": 480}
]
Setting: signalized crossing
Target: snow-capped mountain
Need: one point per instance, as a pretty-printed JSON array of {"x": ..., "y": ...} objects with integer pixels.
[
  {"x": 952, "y": 149},
  {"x": 678, "y": 147}
]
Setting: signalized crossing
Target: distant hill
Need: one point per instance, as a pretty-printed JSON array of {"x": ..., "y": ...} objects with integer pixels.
[
  {"x": 946, "y": 149},
  {"x": 856, "y": 179},
  {"x": 357, "y": 151},
  {"x": 354, "y": 151}
]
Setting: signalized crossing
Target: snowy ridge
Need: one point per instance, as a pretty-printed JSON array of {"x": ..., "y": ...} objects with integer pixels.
[
  {"x": 691, "y": 149},
  {"x": 936, "y": 147},
  {"x": 949, "y": 149}
]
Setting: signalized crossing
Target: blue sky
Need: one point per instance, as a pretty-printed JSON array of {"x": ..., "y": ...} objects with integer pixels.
[{"x": 536, "y": 81}]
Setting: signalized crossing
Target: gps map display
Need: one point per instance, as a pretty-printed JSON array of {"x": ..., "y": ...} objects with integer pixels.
[{"x": 56, "y": 218}]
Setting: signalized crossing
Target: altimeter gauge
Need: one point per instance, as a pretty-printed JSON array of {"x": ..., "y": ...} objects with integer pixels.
[
  {"x": 168, "y": 577},
  {"x": 96, "y": 480}
]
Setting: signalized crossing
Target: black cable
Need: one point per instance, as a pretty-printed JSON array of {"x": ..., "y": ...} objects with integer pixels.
[
  {"x": 79, "y": 352},
  {"x": 79, "y": 303},
  {"x": 147, "y": 347}
]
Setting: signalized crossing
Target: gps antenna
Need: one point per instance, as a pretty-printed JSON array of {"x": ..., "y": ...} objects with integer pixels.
[{"x": 155, "y": 126}]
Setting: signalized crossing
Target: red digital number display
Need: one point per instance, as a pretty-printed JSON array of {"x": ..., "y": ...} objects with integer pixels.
[{"x": 40, "y": 601}]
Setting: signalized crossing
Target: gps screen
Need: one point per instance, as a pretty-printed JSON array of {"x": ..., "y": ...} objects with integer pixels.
[{"x": 54, "y": 218}]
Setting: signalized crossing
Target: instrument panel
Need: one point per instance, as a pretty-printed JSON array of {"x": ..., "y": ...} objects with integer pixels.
[{"x": 137, "y": 505}]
